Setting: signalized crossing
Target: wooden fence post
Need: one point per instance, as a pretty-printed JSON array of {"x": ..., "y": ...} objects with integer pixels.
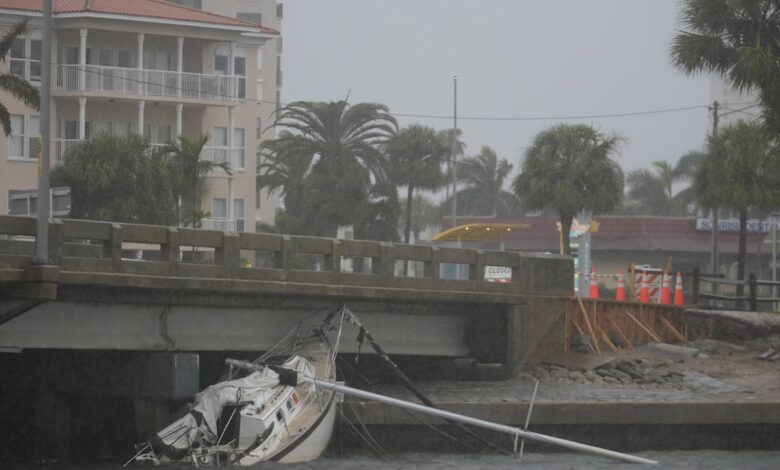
[{"x": 753, "y": 293}]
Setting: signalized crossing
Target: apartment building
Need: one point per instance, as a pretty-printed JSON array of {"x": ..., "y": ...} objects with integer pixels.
[
  {"x": 138, "y": 67},
  {"x": 268, "y": 13}
]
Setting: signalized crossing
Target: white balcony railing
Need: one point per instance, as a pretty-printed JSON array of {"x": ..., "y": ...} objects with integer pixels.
[
  {"x": 145, "y": 82},
  {"x": 61, "y": 146},
  {"x": 233, "y": 156},
  {"x": 223, "y": 225}
]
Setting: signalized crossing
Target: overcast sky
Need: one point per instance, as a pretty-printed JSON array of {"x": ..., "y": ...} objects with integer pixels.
[{"x": 514, "y": 58}]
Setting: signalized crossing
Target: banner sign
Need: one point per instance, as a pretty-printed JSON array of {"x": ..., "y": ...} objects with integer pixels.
[{"x": 732, "y": 225}]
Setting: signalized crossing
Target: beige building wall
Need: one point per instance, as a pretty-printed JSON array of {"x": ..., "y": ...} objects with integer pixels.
[
  {"x": 268, "y": 86},
  {"x": 199, "y": 116}
]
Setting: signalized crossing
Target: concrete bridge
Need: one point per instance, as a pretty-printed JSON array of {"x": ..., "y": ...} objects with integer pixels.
[{"x": 201, "y": 290}]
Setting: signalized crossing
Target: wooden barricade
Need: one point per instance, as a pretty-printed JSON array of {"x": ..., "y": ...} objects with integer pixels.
[{"x": 611, "y": 324}]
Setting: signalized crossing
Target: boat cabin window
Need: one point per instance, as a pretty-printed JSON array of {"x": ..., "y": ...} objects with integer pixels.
[
  {"x": 289, "y": 405},
  {"x": 279, "y": 416}
]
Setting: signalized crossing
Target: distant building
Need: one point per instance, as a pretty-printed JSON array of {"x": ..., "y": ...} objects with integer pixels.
[
  {"x": 268, "y": 13},
  {"x": 141, "y": 67},
  {"x": 622, "y": 240}
]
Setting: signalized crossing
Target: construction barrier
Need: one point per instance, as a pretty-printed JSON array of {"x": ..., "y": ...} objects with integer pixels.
[
  {"x": 621, "y": 288},
  {"x": 614, "y": 326}
]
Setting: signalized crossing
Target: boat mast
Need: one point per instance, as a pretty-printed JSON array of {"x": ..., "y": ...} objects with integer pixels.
[{"x": 516, "y": 432}]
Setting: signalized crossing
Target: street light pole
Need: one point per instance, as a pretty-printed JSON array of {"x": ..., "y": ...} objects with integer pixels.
[
  {"x": 452, "y": 150},
  {"x": 42, "y": 233}
]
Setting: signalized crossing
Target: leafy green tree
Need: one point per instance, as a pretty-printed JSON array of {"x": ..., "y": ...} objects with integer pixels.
[
  {"x": 116, "y": 179},
  {"x": 415, "y": 156},
  {"x": 483, "y": 176},
  {"x": 16, "y": 86},
  {"x": 741, "y": 171},
  {"x": 189, "y": 174},
  {"x": 569, "y": 168},
  {"x": 343, "y": 142},
  {"x": 738, "y": 39}
]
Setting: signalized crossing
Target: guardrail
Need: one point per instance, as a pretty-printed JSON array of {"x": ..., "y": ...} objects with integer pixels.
[
  {"x": 737, "y": 301},
  {"x": 81, "y": 246}
]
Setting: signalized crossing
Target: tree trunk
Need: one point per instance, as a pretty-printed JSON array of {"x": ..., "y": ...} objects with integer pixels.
[
  {"x": 565, "y": 229},
  {"x": 408, "y": 228},
  {"x": 742, "y": 249}
]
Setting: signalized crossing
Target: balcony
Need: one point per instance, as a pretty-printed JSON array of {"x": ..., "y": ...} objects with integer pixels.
[
  {"x": 146, "y": 83},
  {"x": 61, "y": 146},
  {"x": 224, "y": 225},
  {"x": 231, "y": 155}
]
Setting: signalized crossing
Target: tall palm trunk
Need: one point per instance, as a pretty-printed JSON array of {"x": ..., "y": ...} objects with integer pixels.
[
  {"x": 742, "y": 249},
  {"x": 566, "y": 220},
  {"x": 408, "y": 229}
]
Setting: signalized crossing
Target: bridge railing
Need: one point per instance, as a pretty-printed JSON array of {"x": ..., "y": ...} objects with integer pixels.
[{"x": 80, "y": 246}]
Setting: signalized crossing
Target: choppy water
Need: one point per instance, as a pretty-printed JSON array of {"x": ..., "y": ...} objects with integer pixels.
[{"x": 710, "y": 460}]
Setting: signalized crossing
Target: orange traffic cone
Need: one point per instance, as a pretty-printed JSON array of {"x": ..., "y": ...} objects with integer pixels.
[
  {"x": 594, "y": 287},
  {"x": 679, "y": 298},
  {"x": 621, "y": 289},
  {"x": 666, "y": 295},
  {"x": 644, "y": 293}
]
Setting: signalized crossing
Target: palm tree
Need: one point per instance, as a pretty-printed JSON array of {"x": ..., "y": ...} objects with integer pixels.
[
  {"x": 16, "y": 86},
  {"x": 738, "y": 39},
  {"x": 741, "y": 171},
  {"x": 342, "y": 141},
  {"x": 459, "y": 147},
  {"x": 415, "y": 158},
  {"x": 568, "y": 167},
  {"x": 424, "y": 214},
  {"x": 190, "y": 173},
  {"x": 484, "y": 176},
  {"x": 650, "y": 192}
]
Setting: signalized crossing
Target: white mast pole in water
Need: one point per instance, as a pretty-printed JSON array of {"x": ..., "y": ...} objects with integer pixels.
[{"x": 516, "y": 432}]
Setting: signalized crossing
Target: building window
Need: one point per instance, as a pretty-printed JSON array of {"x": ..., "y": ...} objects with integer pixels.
[
  {"x": 279, "y": 45},
  {"x": 221, "y": 64},
  {"x": 259, "y": 89},
  {"x": 257, "y": 198},
  {"x": 163, "y": 133},
  {"x": 239, "y": 143},
  {"x": 239, "y": 68},
  {"x": 35, "y": 60},
  {"x": 238, "y": 213},
  {"x": 16, "y": 139},
  {"x": 251, "y": 17},
  {"x": 219, "y": 208},
  {"x": 259, "y": 129},
  {"x": 35, "y": 130},
  {"x": 278, "y": 100},
  {"x": 18, "y": 57},
  {"x": 280, "y": 10}
]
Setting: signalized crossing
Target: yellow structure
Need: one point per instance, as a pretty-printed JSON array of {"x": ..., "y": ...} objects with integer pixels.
[{"x": 477, "y": 232}]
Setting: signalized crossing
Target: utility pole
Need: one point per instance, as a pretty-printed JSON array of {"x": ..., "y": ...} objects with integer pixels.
[
  {"x": 452, "y": 150},
  {"x": 42, "y": 233},
  {"x": 714, "y": 253}
]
